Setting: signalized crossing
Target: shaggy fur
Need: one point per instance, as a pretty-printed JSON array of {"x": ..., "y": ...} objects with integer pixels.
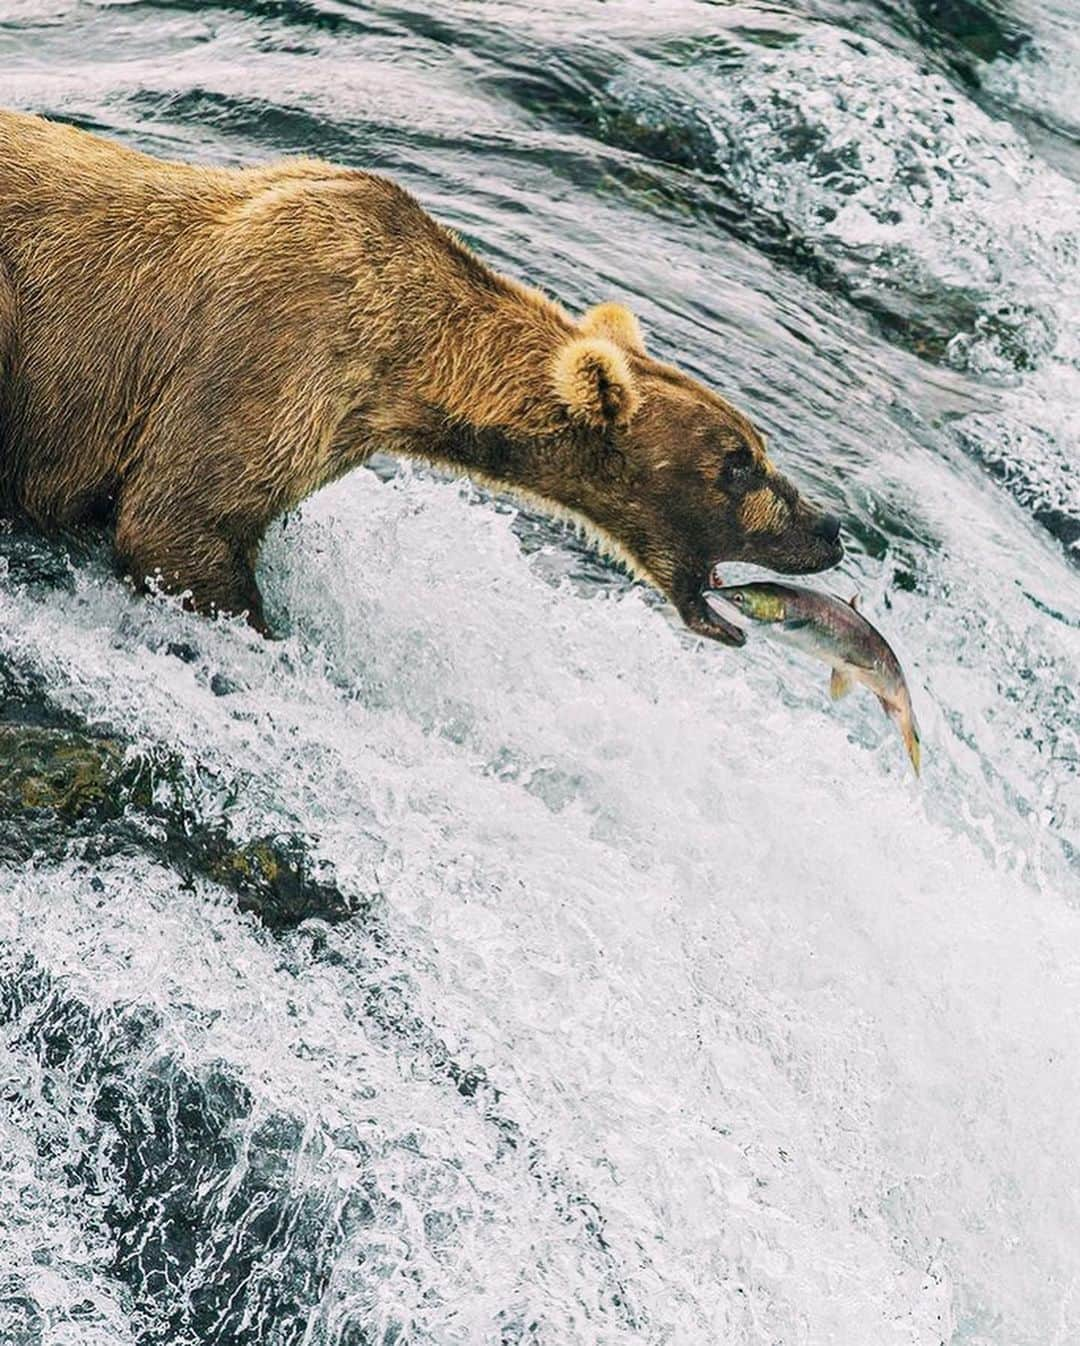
[{"x": 190, "y": 351}]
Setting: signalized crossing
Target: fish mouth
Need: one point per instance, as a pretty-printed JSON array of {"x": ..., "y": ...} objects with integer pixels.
[
  {"x": 704, "y": 619},
  {"x": 721, "y": 627},
  {"x": 721, "y": 610},
  {"x": 691, "y": 598}
]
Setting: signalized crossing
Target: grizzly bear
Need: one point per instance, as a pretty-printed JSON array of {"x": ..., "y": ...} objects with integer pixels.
[{"x": 189, "y": 351}]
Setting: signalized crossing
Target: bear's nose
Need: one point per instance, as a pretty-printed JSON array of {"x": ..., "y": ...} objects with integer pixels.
[{"x": 828, "y": 527}]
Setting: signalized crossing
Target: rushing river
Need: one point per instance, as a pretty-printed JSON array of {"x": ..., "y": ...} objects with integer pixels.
[{"x": 672, "y": 1009}]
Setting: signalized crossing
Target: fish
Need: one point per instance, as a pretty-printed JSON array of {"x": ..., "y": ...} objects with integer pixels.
[{"x": 835, "y": 631}]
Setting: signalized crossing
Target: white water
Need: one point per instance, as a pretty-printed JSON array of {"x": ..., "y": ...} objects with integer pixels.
[
  {"x": 781, "y": 1045},
  {"x": 800, "y": 1029}
]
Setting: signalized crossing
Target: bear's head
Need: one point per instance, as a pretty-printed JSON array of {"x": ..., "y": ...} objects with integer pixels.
[{"x": 675, "y": 479}]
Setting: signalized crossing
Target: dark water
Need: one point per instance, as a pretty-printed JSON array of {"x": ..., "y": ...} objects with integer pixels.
[{"x": 488, "y": 961}]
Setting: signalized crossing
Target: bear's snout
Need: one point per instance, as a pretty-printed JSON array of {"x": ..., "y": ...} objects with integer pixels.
[{"x": 810, "y": 543}]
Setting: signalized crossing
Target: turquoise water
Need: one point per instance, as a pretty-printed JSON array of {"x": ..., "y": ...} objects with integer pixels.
[{"x": 681, "y": 1012}]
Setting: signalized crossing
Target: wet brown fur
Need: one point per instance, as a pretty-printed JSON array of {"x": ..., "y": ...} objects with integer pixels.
[
  {"x": 763, "y": 511},
  {"x": 190, "y": 351}
]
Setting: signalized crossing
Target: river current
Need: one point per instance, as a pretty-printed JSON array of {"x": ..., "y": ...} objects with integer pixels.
[{"x": 671, "y": 1008}]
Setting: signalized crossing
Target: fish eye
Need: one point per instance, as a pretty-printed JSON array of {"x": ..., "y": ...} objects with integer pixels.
[{"x": 737, "y": 599}]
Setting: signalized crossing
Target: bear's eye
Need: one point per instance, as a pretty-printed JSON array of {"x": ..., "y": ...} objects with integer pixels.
[{"x": 737, "y": 468}]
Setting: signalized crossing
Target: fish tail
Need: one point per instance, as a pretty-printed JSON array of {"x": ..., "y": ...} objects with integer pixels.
[
  {"x": 903, "y": 717},
  {"x": 912, "y": 742}
]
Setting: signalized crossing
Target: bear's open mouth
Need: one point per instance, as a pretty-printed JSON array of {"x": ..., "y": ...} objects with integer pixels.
[
  {"x": 705, "y": 620},
  {"x": 721, "y": 628}
]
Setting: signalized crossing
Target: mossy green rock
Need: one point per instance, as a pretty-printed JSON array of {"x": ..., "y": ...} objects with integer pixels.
[
  {"x": 65, "y": 791},
  {"x": 51, "y": 779}
]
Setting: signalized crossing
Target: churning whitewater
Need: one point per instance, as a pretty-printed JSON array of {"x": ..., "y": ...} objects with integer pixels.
[{"x": 489, "y": 960}]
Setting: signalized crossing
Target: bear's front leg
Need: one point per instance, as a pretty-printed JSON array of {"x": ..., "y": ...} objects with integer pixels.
[{"x": 214, "y": 573}]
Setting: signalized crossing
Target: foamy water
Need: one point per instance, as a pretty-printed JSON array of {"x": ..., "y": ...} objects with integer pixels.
[{"x": 681, "y": 1012}]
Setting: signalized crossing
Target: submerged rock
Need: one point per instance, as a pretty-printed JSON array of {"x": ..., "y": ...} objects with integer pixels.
[
  {"x": 48, "y": 770},
  {"x": 985, "y": 31},
  {"x": 224, "y": 1219},
  {"x": 65, "y": 790}
]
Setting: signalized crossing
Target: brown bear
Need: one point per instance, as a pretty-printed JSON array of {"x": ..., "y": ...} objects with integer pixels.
[{"x": 189, "y": 351}]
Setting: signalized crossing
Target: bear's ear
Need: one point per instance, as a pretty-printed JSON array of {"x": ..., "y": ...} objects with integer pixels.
[
  {"x": 616, "y": 324},
  {"x": 594, "y": 383}
]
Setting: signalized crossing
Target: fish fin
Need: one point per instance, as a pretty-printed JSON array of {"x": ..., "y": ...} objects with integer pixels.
[
  {"x": 796, "y": 623},
  {"x": 839, "y": 684},
  {"x": 853, "y": 602}
]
